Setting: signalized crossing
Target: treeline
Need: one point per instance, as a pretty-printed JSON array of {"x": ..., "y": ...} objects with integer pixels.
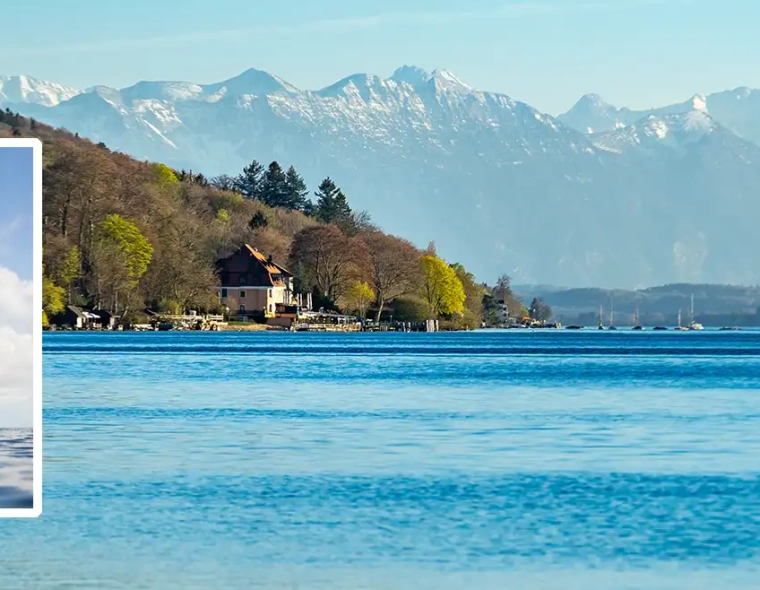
[{"x": 124, "y": 235}]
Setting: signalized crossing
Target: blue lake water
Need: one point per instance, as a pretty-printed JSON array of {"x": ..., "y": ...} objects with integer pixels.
[{"x": 531, "y": 460}]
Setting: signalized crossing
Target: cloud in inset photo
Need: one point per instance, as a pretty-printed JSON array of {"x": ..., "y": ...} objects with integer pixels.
[{"x": 16, "y": 290}]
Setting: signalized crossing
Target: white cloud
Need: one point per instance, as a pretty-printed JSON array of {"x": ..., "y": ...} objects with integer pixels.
[{"x": 16, "y": 349}]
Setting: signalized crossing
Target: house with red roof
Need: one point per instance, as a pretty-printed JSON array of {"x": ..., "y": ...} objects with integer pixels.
[{"x": 253, "y": 286}]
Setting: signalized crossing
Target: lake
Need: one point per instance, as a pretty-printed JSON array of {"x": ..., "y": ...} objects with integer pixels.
[{"x": 546, "y": 460}]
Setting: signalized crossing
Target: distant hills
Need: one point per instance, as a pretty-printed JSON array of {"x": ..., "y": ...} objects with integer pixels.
[
  {"x": 600, "y": 195},
  {"x": 714, "y": 305}
]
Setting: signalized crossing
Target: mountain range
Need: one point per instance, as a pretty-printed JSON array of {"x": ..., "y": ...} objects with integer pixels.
[{"x": 600, "y": 195}]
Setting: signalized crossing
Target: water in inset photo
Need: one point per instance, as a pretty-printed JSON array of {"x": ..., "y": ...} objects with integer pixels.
[{"x": 16, "y": 319}]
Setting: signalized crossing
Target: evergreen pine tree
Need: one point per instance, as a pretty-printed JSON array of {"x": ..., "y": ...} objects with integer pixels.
[
  {"x": 332, "y": 205},
  {"x": 248, "y": 182},
  {"x": 274, "y": 187},
  {"x": 296, "y": 189}
]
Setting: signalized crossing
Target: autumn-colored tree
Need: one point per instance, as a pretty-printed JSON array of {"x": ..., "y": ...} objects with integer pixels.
[
  {"x": 441, "y": 288},
  {"x": 358, "y": 298},
  {"x": 179, "y": 275},
  {"x": 329, "y": 260},
  {"x": 395, "y": 265}
]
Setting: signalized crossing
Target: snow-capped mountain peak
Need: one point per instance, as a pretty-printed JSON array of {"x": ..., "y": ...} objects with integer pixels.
[
  {"x": 28, "y": 90},
  {"x": 252, "y": 82},
  {"x": 412, "y": 75}
]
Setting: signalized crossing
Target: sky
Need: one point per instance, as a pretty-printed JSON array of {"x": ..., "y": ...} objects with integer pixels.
[
  {"x": 16, "y": 267},
  {"x": 548, "y": 53}
]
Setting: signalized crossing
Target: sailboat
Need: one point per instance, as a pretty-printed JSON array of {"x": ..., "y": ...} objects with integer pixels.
[
  {"x": 612, "y": 312},
  {"x": 601, "y": 323},
  {"x": 680, "y": 327},
  {"x": 694, "y": 325},
  {"x": 636, "y": 322}
]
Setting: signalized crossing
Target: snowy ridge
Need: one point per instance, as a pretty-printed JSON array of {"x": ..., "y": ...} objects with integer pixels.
[
  {"x": 28, "y": 90},
  {"x": 469, "y": 168},
  {"x": 657, "y": 132},
  {"x": 738, "y": 110}
]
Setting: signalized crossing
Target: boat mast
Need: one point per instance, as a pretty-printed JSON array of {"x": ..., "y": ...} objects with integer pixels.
[
  {"x": 692, "y": 308},
  {"x": 611, "y": 311}
]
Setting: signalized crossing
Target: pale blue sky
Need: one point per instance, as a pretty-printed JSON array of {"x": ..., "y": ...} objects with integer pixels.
[
  {"x": 548, "y": 53},
  {"x": 16, "y": 203}
]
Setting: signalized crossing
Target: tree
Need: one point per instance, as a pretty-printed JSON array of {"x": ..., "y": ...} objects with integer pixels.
[
  {"x": 329, "y": 261},
  {"x": 394, "y": 263},
  {"x": 224, "y": 182},
  {"x": 503, "y": 287},
  {"x": 358, "y": 298},
  {"x": 332, "y": 205},
  {"x": 274, "y": 190},
  {"x": 357, "y": 223},
  {"x": 539, "y": 310},
  {"x": 72, "y": 267},
  {"x": 121, "y": 256},
  {"x": 164, "y": 176},
  {"x": 473, "y": 296},
  {"x": 248, "y": 182},
  {"x": 258, "y": 221},
  {"x": 179, "y": 276},
  {"x": 441, "y": 288},
  {"x": 52, "y": 297},
  {"x": 297, "y": 192},
  {"x": 410, "y": 309}
]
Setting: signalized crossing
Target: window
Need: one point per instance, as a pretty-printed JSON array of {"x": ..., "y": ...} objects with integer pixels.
[
  {"x": 242, "y": 307},
  {"x": 270, "y": 292},
  {"x": 224, "y": 293},
  {"x": 242, "y": 294},
  {"x": 243, "y": 280}
]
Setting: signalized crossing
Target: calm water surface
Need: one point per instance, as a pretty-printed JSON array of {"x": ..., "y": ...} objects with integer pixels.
[
  {"x": 16, "y": 468},
  {"x": 546, "y": 460}
]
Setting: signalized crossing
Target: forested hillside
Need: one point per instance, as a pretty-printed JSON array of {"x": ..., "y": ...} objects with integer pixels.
[{"x": 125, "y": 235}]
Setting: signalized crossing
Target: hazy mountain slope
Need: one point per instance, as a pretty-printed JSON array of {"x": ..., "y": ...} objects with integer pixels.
[{"x": 495, "y": 183}]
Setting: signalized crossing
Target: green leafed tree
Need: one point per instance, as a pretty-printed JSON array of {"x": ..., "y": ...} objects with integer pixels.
[
  {"x": 358, "y": 298},
  {"x": 441, "y": 288},
  {"x": 121, "y": 255}
]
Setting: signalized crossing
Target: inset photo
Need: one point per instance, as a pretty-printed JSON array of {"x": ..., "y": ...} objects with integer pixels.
[{"x": 20, "y": 327}]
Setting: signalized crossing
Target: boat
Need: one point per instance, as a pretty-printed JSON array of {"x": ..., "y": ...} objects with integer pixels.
[
  {"x": 660, "y": 328},
  {"x": 574, "y": 328},
  {"x": 693, "y": 325},
  {"x": 679, "y": 327},
  {"x": 636, "y": 323},
  {"x": 601, "y": 323},
  {"x": 612, "y": 312},
  {"x": 730, "y": 329}
]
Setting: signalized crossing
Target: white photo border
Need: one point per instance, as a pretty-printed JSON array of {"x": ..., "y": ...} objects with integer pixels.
[{"x": 36, "y": 509}]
